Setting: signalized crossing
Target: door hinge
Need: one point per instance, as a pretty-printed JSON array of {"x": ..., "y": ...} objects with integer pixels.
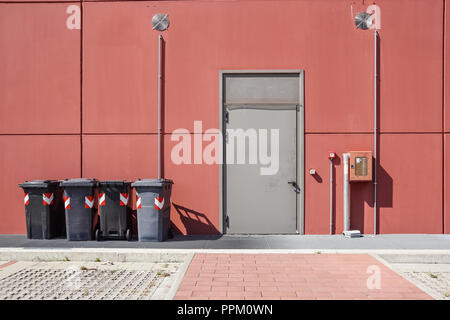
[
  {"x": 227, "y": 221},
  {"x": 227, "y": 116}
]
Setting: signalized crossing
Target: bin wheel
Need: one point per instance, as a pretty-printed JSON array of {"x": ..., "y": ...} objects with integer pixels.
[
  {"x": 97, "y": 235},
  {"x": 128, "y": 235}
]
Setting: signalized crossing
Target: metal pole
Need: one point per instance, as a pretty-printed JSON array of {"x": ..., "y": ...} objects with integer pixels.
[
  {"x": 346, "y": 157},
  {"x": 375, "y": 130},
  {"x": 159, "y": 105},
  {"x": 331, "y": 196}
]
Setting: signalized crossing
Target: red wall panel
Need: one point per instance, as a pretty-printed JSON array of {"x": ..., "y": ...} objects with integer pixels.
[
  {"x": 409, "y": 186},
  {"x": 31, "y": 1},
  {"x": 116, "y": 157},
  {"x": 39, "y": 70},
  {"x": 447, "y": 68},
  {"x": 447, "y": 183},
  {"x": 410, "y": 196},
  {"x": 30, "y": 158},
  {"x": 120, "y": 72},
  {"x": 120, "y": 61},
  {"x": 411, "y": 66},
  {"x": 317, "y": 188},
  {"x": 195, "y": 194}
]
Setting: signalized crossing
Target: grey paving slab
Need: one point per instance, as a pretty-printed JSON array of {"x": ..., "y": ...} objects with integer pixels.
[
  {"x": 391, "y": 241},
  {"x": 421, "y": 267},
  {"x": 416, "y": 241},
  {"x": 365, "y": 242},
  {"x": 238, "y": 242},
  {"x": 326, "y": 242}
]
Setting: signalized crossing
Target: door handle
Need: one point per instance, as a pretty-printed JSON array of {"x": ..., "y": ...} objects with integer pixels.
[{"x": 295, "y": 185}]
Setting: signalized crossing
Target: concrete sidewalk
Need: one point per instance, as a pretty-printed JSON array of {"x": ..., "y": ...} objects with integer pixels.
[
  {"x": 239, "y": 275},
  {"x": 268, "y": 267},
  {"x": 276, "y": 242},
  {"x": 414, "y": 248}
]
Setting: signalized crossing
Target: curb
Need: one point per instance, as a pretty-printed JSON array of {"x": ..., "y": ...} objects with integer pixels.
[
  {"x": 180, "y": 255},
  {"x": 113, "y": 255},
  {"x": 182, "y": 271},
  {"x": 428, "y": 258}
]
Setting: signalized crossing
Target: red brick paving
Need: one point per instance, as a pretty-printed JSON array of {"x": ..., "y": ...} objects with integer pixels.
[{"x": 290, "y": 276}]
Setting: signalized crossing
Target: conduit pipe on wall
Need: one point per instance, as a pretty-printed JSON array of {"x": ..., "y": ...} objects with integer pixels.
[
  {"x": 331, "y": 196},
  {"x": 331, "y": 156},
  {"x": 375, "y": 130},
  {"x": 159, "y": 104},
  {"x": 346, "y": 160},
  {"x": 160, "y": 22}
]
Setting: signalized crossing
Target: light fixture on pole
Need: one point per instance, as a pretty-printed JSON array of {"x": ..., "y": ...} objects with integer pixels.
[
  {"x": 160, "y": 22},
  {"x": 364, "y": 21}
]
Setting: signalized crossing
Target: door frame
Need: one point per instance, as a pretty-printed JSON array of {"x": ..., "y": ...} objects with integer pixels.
[{"x": 300, "y": 212}]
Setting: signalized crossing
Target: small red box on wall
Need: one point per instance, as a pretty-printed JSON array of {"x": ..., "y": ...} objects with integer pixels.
[{"x": 360, "y": 166}]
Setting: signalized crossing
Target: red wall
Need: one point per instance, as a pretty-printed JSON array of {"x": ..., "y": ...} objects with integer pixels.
[
  {"x": 446, "y": 120},
  {"x": 84, "y": 103},
  {"x": 447, "y": 184}
]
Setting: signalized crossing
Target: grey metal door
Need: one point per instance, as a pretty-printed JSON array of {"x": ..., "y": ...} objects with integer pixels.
[{"x": 261, "y": 187}]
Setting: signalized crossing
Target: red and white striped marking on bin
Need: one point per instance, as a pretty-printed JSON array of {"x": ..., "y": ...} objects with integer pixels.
[
  {"x": 101, "y": 200},
  {"x": 47, "y": 199},
  {"x": 159, "y": 203},
  {"x": 138, "y": 202},
  {"x": 67, "y": 202},
  {"x": 26, "y": 199},
  {"x": 124, "y": 199},
  {"x": 88, "y": 202}
]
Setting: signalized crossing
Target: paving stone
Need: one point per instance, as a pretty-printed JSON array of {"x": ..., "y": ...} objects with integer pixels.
[
  {"x": 296, "y": 276},
  {"x": 89, "y": 281}
]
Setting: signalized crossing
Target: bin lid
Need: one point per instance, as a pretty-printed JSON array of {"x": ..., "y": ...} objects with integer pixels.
[
  {"x": 38, "y": 183},
  {"x": 83, "y": 182},
  {"x": 151, "y": 182},
  {"x": 119, "y": 183}
]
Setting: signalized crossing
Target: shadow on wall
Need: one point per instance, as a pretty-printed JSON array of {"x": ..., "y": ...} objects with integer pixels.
[
  {"x": 336, "y": 162},
  {"x": 194, "y": 222},
  {"x": 362, "y": 192}
]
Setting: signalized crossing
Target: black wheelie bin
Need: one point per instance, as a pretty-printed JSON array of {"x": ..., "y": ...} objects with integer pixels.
[
  {"x": 44, "y": 210},
  {"x": 153, "y": 208},
  {"x": 115, "y": 219},
  {"x": 79, "y": 203}
]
